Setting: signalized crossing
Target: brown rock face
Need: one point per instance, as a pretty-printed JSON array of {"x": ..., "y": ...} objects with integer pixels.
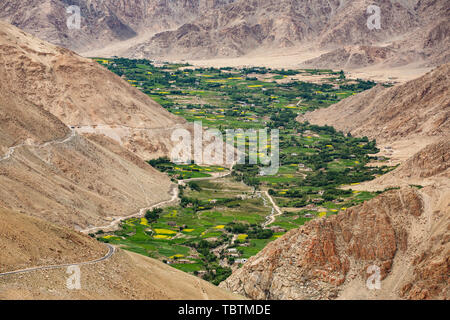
[
  {"x": 431, "y": 272},
  {"x": 418, "y": 108},
  {"x": 352, "y": 57},
  {"x": 316, "y": 260},
  {"x": 102, "y": 22},
  {"x": 431, "y": 161},
  {"x": 27, "y": 242}
]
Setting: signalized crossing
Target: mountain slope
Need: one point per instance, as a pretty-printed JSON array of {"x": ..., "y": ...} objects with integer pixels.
[
  {"x": 418, "y": 108},
  {"x": 102, "y": 22},
  {"x": 30, "y": 242},
  {"x": 47, "y": 170},
  {"x": 417, "y": 36},
  {"x": 338, "y": 27},
  {"x": 240, "y": 27},
  {"x": 83, "y": 94},
  {"x": 402, "y": 232},
  {"x": 335, "y": 33}
]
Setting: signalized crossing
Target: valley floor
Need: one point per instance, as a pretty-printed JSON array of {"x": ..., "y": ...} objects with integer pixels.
[{"x": 225, "y": 217}]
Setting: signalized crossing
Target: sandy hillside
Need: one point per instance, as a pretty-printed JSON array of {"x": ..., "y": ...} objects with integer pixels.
[
  {"x": 28, "y": 242},
  {"x": 50, "y": 171},
  {"x": 404, "y": 232},
  {"x": 83, "y": 94},
  {"x": 334, "y": 34},
  {"x": 404, "y": 118}
]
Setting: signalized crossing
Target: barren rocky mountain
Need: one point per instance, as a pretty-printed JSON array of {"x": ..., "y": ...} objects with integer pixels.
[
  {"x": 84, "y": 95},
  {"x": 413, "y": 32},
  {"x": 22, "y": 236},
  {"x": 418, "y": 108},
  {"x": 418, "y": 37},
  {"x": 407, "y": 34},
  {"x": 241, "y": 27},
  {"x": 51, "y": 171},
  {"x": 328, "y": 258},
  {"x": 404, "y": 232},
  {"x": 102, "y": 22},
  {"x": 29, "y": 242}
]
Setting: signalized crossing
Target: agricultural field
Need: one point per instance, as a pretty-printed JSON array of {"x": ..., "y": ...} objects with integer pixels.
[
  {"x": 185, "y": 171},
  {"x": 192, "y": 236},
  {"x": 221, "y": 219}
]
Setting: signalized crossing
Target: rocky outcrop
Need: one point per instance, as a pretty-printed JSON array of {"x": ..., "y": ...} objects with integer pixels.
[
  {"x": 320, "y": 258},
  {"x": 349, "y": 57},
  {"x": 407, "y": 34},
  {"x": 431, "y": 161}
]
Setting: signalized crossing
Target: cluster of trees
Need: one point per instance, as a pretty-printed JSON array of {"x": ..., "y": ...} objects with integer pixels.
[
  {"x": 194, "y": 186},
  {"x": 153, "y": 215},
  {"x": 331, "y": 194},
  {"x": 162, "y": 163},
  {"x": 284, "y": 118},
  {"x": 217, "y": 275},
  {"x": 253, "y": 231},
  {"x": 247, "y": 173},
  {"x": 360, "y": 86}
]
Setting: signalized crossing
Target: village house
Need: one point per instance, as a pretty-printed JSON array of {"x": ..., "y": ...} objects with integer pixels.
[
  {"x": 201, "y": 273},
  {"x": 185, "y": 261},
  {"x": 240, "y": 261},
  {"x": 277, "y": 229}
]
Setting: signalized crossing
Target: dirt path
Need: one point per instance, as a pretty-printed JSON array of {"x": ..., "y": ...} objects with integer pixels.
[
  {"x": 113, "y": 225},
  {"x": 276, "y": 211},
  {"x": 11, "y": 150},
  {"x": 111, "y": 251}
]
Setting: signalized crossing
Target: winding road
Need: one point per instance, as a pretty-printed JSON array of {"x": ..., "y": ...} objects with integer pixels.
[
  {"x": 111, "y": 251},
  {"x": 140, "y": 213},
  {"x": 113, "y": 224},
  {"x": 276, "y": 211},
  {"x": 11, "y": 150}
]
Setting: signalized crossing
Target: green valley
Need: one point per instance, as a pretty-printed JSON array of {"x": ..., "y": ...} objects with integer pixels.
[{"x": 226, "y": 215}]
